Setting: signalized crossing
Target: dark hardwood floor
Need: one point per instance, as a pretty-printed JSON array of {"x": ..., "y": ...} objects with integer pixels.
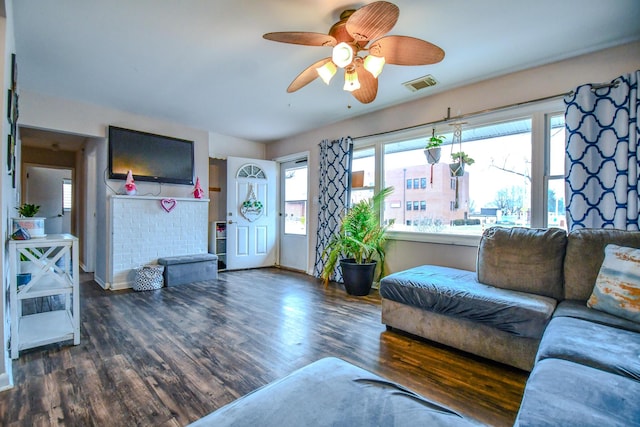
[{"x": 170, "y": 356}]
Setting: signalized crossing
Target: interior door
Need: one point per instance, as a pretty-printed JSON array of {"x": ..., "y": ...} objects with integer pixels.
[
  {"x": 294, "y": 236},
  {"x": 44, "y": 187},
  {"x": 251, "y": 213}
]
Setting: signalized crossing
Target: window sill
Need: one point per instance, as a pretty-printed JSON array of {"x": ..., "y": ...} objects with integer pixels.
[{"x": 438, "y": 238}]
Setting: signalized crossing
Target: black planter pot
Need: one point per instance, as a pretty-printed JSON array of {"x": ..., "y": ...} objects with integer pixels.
[{"x": 358, "y": 278}]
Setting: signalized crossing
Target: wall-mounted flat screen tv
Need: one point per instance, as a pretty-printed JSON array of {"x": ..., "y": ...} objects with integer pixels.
[{"x": 149, "y": 157}]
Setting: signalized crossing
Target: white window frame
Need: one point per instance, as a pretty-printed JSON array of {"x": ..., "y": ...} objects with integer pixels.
[
  {"x": 538, "y": 112},
  {"x": 65, "y": 182}
]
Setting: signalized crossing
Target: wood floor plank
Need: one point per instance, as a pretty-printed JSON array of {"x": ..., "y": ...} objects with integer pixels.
[{"x": 170, "y": 356}]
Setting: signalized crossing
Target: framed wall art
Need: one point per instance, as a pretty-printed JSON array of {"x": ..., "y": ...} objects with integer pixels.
[{"x": 12, "y": 117}]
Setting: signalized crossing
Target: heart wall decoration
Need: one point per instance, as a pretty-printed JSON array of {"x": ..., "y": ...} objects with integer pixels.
[{"x": 168, "y": 204}]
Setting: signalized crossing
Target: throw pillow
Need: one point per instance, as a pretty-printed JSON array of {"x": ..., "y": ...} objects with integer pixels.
[{"x": 617, "y": 289}]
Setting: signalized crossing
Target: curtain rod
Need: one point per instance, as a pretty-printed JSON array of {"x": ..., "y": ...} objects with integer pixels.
[
  {"x": 594, "y": 87},
  {"x": 464, "y": 116}
]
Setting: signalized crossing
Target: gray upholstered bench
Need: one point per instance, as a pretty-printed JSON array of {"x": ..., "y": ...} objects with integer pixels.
[{"x": 180, "y": 270}]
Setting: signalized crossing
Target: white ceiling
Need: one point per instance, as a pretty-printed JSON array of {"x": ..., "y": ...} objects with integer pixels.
[{"x": 204, "y": 63}]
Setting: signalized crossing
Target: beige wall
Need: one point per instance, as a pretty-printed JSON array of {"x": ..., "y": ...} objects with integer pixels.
[
  {"x": 8, "y": 193},
  {"x": 68, "y": 116},
  {"x": 535, "y": 83}
]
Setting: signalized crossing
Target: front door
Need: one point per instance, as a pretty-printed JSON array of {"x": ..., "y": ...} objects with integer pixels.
[
  {"x": 294, "y": 242},
  {"x": 251, "y": 213}
]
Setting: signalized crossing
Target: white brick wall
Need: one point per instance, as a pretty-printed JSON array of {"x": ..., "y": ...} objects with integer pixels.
[{"x": 142, "y": 231}]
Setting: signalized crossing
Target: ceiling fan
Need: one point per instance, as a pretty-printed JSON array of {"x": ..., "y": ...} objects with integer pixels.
[{"x": 358, "y": 31}]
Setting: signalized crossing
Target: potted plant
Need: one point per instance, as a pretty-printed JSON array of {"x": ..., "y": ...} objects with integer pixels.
[
  {"x": 359, "y": 246},
  {"x": 459, "y": 160},
  {"x": 434, "y": 148},
  {"x": 28, "y": 220}
]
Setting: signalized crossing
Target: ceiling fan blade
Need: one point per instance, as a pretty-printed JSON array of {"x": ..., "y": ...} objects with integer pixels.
[
  {"x": 404, "y": 50},
  {"x": 307, "y": 76},
  {"x": 373, "y": 20},
  {"x": 301, "y": 37},
  {"x": 368, "y": 86}
]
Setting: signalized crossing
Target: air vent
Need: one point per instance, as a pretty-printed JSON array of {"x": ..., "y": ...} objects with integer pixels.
[{"x": 421, "y": 83}]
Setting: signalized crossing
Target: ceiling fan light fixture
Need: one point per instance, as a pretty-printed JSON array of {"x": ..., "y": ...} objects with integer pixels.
[
  {"x": 327, "y": 71},
  {"x": 374, "y": 64},
  {"x": 351, "y": 81},
  {"x": 342, "y": 55}
]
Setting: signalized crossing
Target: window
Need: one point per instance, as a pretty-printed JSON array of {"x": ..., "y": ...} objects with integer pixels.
[
  {"x": 363, "y": 169},
  {"x": 515, "y": 164},
  {"x": 556, "y": 214},
  {"x": 67, "y": 194},
  {"x": 500, "y": 177},
  {"x": 295, "y": 200}
]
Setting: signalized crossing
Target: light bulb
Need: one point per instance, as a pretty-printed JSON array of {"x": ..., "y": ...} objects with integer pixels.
[
  {"x": 342, "y": 55},
  {"x": 351, "y": 82},
  {"x": 327, "y": 71},
  {"x": 374, "y": 64}
]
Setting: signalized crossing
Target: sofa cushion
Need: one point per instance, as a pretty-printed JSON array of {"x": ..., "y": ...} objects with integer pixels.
[
  {"x": 585, "y": 253},
  {"x": 563, "y": 393},
  {"x": 523, "y": 259},
  {"x": 454, "y": 292},
  {"x": 592, "y": 344},
  {"x": 579, "y": 310},
  {"x": 332, "y": 392},
  {"x": 617, "y": 289}
]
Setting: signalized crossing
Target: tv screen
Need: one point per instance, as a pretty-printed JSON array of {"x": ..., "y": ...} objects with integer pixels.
[{"x": 150, "y": 157}]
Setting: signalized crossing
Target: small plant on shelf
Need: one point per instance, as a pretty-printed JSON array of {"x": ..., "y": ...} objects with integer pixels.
[{"x": 28, "y": 210}]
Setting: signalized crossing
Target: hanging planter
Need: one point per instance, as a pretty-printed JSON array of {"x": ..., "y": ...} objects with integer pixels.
[
  {"x": 433, "y": 150},
  {"x": 251, "y": 208},
  {"x": 433, "y": 154},
  {"x": 456, "y": 169},
  {"x": 459, "y": 160}
]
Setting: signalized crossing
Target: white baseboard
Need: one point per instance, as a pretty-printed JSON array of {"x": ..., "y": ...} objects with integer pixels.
[
  {"x": 120, "y": 286},
  {"x": 100, "y": 282},
  {"x": 6, "y": 382}
]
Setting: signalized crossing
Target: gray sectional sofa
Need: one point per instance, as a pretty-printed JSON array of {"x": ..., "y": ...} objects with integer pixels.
[{"x": 525, "y": 306}]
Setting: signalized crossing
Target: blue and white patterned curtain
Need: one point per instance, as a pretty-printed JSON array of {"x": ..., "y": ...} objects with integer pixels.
[
  {"x": 603, "y": 154},
  {"x": 335, "y": 186}
]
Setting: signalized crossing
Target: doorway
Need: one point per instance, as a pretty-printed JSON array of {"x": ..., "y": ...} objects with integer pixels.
[
  {"x": 251, "y": 213},
  {"x": 52, "y": 190},
  {"x": 294, "y": 213}
]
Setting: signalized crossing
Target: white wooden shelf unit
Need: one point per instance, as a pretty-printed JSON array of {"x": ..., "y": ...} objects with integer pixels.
[
  {"x": 220, "y": 245},
  {"x": 53, "y": 264}
]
